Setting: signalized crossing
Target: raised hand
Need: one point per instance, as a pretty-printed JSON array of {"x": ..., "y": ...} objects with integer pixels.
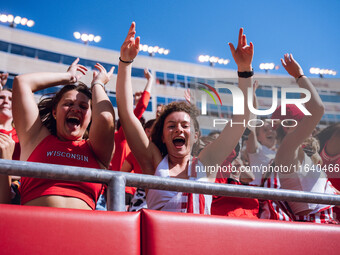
[
  {"x": 189, "y": 96},
  {"x": 291, "y": 66},
  {"x": 243, "y": 54},
  {"x": 102, "y": 76},
  {"x": 3, "y": 80},
  {"x": 130, "y": 47},
  {"x": 6, "y": 146},
  {"x": 255, "y": 86},
  {"x": 147, "y": 74},
  {"x": 72, "y": 70},
  {"x": 137, "y": 97}
]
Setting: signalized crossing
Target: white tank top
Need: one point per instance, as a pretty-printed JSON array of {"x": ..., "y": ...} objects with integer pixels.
[
  {"x": 172, "y": 200},
  {"x": 311, "y": 178}
]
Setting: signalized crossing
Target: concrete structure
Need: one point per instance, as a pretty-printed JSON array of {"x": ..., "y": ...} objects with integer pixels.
[{"x": 24, "y": 52}]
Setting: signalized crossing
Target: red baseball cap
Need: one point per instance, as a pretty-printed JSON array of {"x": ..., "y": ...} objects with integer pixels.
[{"x": 292, "y": 112}]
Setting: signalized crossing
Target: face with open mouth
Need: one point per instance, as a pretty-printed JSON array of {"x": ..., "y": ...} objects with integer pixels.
[
  {"x": 178, "y": 134},
  {"x": 73, "y": 115},
  {"x": 6, "y": 104},
  {"x": 267, "y": 135}
]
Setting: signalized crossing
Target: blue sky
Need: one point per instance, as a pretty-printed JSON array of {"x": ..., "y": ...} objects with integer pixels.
[{"x": 308, "y": 29}]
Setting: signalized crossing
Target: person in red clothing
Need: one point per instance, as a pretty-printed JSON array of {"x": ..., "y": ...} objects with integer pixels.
[
  {"x": 8, "y": 133},
  {"x": 7, "y": 144},
  {"x": 121, "y": 147},
  {"x": 235, "y": 206},
  {"x": 6, "y": 120},
  {"x": 6, "y": 116},
  {"x": 56, "y": 131}
]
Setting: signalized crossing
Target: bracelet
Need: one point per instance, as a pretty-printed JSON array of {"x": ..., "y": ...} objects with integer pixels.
[
  {"x": 298, "y": 78},
  {"x": 126, "y": 62},
  {"x": 99, "y": 83},
  {"x": 245, "y": 74}
]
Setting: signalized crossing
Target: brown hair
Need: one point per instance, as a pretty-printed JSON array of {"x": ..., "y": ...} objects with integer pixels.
[
  {"x": 50, "y": 102},
  {"x": 324, "y": 135},
  {"x": 157, "y": 130}
]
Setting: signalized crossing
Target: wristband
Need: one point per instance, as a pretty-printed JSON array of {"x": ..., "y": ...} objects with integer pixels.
[
  {"x": 245, "y": 74},
  {"x": 126, "y": 62},
  {"x": 298, "y": 78},
  {"x": 98, "y": 82}
]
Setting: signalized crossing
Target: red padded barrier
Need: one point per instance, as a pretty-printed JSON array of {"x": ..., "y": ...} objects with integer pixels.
[
  {"x": 42, "y": 230},
  {"x": 177, "y": 233}
]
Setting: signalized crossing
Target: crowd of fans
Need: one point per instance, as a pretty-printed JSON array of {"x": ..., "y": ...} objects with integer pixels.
[{"x": 76, "y": 126}]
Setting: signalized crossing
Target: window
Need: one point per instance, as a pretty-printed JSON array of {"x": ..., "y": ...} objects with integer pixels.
[
  {"x": 149, "y": 108},
  {"x": 191, "y": 82},
  {"x": 90, "y": 64},
  {"x": 67, "y": 60},
  {"x": 211, "y": 83},
  {"x": 109, "y": 66},
  {"x": 137, "y": 72},
  {"x": 213, "y": 110},
  {"x": 22, "y": 50},
  {"x": 49, "y": 56},
  {"x": 226, "y": 111},
  {"x": 170, "y": 79},
  {"x": 205, "y": 132},
  {"x": 224, "y": 91},
  {"x": 82, "y": 61},
  {"x": 4, "y": 46},
  {"x": 113, "y": 100},
  {"x": 181, "y": 81},
  {"x": 161, "y": 100},
  {"x": 160, "y": 78}
]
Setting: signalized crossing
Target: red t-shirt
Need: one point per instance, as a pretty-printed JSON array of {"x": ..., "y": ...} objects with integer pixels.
[
  {"x": 233, "y": 206},
  {"x": 16, "y": 153},
  {"x": 72, "y": 153},
  {"x": 134, "y": 163}
]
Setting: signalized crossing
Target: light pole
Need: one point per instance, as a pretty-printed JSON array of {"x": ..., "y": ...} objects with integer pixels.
[
  {"x": 152, "y": 50},
  {"x": 322, "y": 72},
  {"x": 86, "y": 38},
  {"x": 213, "y": 60},
  {"x": 267, "y": 66},
  {"x": 17, "y": 20}
]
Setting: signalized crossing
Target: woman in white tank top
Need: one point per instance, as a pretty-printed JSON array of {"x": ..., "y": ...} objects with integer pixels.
[
  {"x": 176, "y": 131},
  {"x": 298, "y": 172}
]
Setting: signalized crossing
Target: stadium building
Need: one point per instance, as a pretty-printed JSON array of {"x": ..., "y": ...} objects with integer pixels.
[{"x": 25, "y": 52}]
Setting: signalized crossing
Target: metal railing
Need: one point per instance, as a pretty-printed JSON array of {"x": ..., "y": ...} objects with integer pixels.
[{"x": 117, "y": 181}]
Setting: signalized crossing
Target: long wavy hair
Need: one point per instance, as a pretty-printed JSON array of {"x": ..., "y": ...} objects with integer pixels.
[
  {"x": 50, "y": 102},
  {"x": 324, "y": 135},
  {"x": 157, "y": 130}
]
